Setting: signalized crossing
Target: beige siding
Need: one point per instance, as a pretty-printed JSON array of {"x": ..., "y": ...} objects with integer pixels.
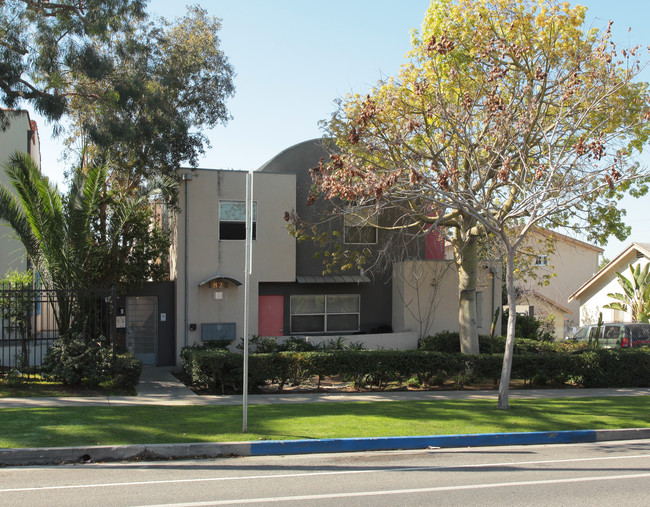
[{"x": 572, "y": 264}]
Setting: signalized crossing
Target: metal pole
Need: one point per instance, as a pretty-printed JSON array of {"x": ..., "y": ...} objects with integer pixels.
[
  {"x": 187, "y": 177},
  {"x": 247, "y": 272}
]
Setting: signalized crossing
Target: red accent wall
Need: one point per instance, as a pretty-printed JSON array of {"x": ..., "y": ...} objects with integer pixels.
[{"x": 435, "y": 245}]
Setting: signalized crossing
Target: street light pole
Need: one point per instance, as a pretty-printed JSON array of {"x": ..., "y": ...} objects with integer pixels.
[{"x": 248, "y": 263}]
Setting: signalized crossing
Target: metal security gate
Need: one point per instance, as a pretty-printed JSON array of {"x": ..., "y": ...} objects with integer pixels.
[
  {"x": 142, "y": 328},
  {"x": 29, "y": 325}
]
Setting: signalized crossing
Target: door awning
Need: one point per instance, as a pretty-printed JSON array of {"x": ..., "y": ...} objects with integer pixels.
[{"x": 219, "y": 282}]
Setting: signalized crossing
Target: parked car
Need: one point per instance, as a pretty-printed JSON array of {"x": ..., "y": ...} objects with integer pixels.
[{"x": 616, "y": 334}]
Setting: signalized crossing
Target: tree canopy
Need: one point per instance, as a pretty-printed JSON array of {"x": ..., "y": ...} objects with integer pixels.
[
  {"x": 169, "y": 81},
  {"x": 135, "y": 92},
  {"x": 46, "y": 46},
  {"x": 507, "y": 114}
]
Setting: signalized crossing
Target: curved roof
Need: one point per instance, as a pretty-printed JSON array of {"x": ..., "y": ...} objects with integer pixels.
[{"x": 297, "y": 158}]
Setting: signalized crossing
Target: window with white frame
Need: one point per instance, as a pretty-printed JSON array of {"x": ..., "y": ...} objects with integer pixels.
[
  {"x": 360, "y": 227},
  {"x": 232, "y": 220},
  {"x": 325, "y": 313}
]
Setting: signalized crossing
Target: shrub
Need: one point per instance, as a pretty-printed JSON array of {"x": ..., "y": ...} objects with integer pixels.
[
  {"x": 445, "y": 341},
  {"x": 614, "y": 368},
  {"x": 449, "y": 342},
  {"x": 534, "y": 362},
  {"x": 529, "y": 326},
  {"x": 294, "y": 344},
  {"x": 74, "y": 358},
  {"x": 213, "y": 368},
  {"x": 125, "y": 370}
]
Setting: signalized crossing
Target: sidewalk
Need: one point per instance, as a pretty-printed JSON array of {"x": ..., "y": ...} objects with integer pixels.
[{"x": 159, "y": 387}]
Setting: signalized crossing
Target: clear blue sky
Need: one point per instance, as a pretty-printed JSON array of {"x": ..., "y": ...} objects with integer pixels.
[{"x": 293, "y": 58}]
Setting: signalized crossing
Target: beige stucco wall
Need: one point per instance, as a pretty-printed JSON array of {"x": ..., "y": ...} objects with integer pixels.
[
  {"x": 15, "y": 138},
  {"x": 425, "y": 296},
  {"x": 273, "y": 250},
  {"x": 572, "y": 264},
  {"x": 594, "y": 298}
]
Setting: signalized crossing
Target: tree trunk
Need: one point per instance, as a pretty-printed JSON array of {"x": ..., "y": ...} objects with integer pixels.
[
  {"x": 467, "y": 263},
  {"x": 504, "y": 385}
]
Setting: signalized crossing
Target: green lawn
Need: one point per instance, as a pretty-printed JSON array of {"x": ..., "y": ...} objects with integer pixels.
[{"x": 73, "y": 426}]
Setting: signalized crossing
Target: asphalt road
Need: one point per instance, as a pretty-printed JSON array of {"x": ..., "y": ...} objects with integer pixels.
[{"x": 608, "y": 473}]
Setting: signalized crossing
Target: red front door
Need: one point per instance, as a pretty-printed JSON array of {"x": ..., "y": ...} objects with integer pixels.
[{"x": 271, "y": 316}]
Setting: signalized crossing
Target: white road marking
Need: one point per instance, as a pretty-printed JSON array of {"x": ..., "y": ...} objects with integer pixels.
[
  {"x": 312, "y": 474},
  {"x": 438, "y": 489}
]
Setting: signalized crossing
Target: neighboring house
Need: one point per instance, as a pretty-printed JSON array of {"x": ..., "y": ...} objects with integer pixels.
[
  {"x": 592, "y": 295},
  {"x": 289, "y": 294},
  {"x": 564, "y": 263},
  {"x": 567, "y": 265},
  {"x": 21, "y": 135}
]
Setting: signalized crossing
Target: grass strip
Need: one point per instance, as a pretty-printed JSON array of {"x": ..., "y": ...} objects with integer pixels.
[{"x": 75, "y": 426}]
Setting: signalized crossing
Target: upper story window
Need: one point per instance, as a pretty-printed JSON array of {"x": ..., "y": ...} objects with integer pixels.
[
  {"x": 360, "y": 227},
  {"x": 232, "y": 220},
  {"x": 541, "y": 260}
]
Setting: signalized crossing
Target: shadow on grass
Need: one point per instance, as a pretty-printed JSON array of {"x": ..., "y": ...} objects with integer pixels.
[{"x": 81, "y": 426}]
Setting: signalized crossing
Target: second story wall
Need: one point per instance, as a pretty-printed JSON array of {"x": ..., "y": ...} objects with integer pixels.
[
  {"x": 216, "y": 245},
  {"x": 571, "y": 264}
]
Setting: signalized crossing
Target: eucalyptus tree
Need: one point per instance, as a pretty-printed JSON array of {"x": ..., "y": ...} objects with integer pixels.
[
  {"x": 168, "y": 82},
  {"x": 136, "y": 92},
  {"x": 47, "y": 46}
]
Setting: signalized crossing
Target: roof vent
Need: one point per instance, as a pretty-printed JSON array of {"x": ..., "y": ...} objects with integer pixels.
[{"x": 639, "y": 255}]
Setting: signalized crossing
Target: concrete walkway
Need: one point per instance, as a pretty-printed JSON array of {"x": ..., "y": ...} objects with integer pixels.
[{"x": 159, "y": 387}]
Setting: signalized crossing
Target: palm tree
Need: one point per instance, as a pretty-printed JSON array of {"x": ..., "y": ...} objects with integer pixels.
[
  {"x": 635, "y": 299},
  {"x": 55, "y": 231}
]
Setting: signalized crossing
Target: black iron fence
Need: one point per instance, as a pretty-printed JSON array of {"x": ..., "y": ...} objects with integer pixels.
[{"x": 32, "y": 319}]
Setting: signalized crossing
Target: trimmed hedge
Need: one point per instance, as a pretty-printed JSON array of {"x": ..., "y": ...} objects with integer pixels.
[
  {"x": 449, "y": 342},
  {"x": 615, "y": 368},
  {"x": 218, "y": 369}
]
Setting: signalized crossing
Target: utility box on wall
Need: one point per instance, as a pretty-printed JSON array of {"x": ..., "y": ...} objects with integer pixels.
[{"x": 218, "y": 331}]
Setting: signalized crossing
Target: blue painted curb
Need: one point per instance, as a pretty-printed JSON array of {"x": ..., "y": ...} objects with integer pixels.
[
  {"x": 268, "y": 447},
  {"x": 49, "y": 455}
]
